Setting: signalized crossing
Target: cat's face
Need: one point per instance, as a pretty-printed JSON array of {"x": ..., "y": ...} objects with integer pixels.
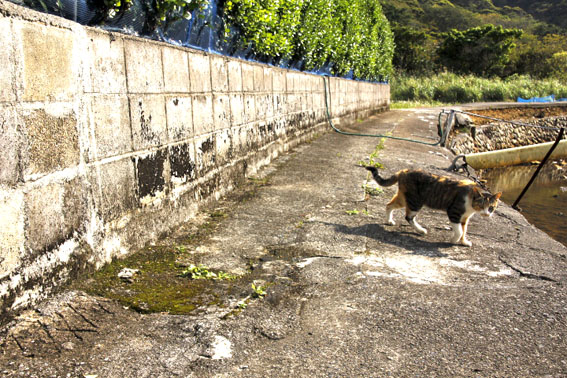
[{"x": 486, "y": 203}]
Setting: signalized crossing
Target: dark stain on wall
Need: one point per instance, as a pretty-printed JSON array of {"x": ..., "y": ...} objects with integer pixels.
[
  {"x": 180, "y": 161},
  {"x": 206, "y": 155},
  {"x": 150, "y": 173}
]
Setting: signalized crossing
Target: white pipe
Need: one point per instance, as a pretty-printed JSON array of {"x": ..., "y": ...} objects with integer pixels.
[{"x": 517, "y": 155}]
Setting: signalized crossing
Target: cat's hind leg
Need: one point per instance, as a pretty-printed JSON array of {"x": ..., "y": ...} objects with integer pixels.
[
  {"x": 397, "y": 202},
  {"x": 410, "y": 217}
]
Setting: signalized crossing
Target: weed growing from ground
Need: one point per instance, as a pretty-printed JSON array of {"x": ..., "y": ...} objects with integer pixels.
[
  {"x": 259, "y": 291},
  {"x": 201, "y": 272}
]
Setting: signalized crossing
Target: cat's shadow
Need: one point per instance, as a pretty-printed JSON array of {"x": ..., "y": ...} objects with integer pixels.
[{"x": 396, "y": 236}]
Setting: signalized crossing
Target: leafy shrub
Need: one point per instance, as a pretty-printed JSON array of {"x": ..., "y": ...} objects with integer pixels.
[
  {"x": 494, "y": 93},
  {"x": 268, "y": 25},
  {"x": 318, "y": 33},
  {"x": 352, "y": 37},
  {"x": 164, "y": 12},
  {"x": 156, "y": 13}
]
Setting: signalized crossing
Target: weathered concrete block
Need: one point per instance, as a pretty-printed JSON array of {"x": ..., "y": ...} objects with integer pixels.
[
  {"x": 219, "y": 74},
  {"x": 247, "y": 77},
  {"x": 200, "y": 72},
  {"x": 182, "y": 163},
  {"x": 318, "y": 101},
  {"x": 237, "y": 109},
  {"x": 293, "y": 103},
  {"x": 259, "y": 79},
  {"x": 49, "y": 68},
  {"x": 111, "y": 126},
  {"x": 45, "y": 129},
  {"x": 7, "y": 61},
  {"x": 221, "y": 111},
  {"x": 268, "y": 79},
  {"x": 143, "y": 66},
  {"x": 75, "y": 204},
  {"x": 148, "y": 120},
  {"x": 306, "y": 100},
  {"x": 269, "y": 105},
  {"x": 249, "y": 108},
  {"x": 239, "y": 140},
  {"x": 176, "y": 70},
  {"x": 252, "y": 137},
  {"x": 106, "y": 68},
  {"x": 12, "y": 235},
  {"x": 224, "y": 146},
  {"x": 264, "y": 106},
  {"x": 203, "y": 121},
  {"x": 179, "y": 118},
  {"x": 234, "y": 76},
  {"x": 205, "y": 154},
  {"x": 113, "y": 186},
  {"x": 151, "y": 175},
  {"x": 318, "y": 84},
  {"x": 280, "y": 130},
  {"x": 279, "y": 81},
  {"x": 290, "y": 82},
  {"x": 280, "y": 104},
  {"x": 54, "y": 212},
  {"x": 10, "y": 147}
]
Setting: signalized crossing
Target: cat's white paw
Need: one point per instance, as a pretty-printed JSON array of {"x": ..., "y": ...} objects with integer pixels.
[
  {"x": 466, "y": 242},
  {"x": 419, "y": 229},
  {"x": 391, "y": 222},
  {"x": 455, "y": 240}
]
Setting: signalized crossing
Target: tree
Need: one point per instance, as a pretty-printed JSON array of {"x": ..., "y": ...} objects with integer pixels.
[
  {"x": 533, "y": 54},
  {"x": 483, "y": 50},
  {"x": 415, "y": 51},
  {"x": 558, "y": 64}
]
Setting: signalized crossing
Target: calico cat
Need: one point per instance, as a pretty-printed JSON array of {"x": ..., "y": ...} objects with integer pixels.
[{"x": 460, "y": 198}]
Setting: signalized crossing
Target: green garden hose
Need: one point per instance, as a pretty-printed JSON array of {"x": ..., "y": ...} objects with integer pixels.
[{"x": 439, "y": 128}]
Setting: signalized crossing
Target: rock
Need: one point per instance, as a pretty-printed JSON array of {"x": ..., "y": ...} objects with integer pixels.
[
  {"x": 128, "y": 274},
  {"x": 462, "y": 120},
  {"x": 68, "y": 346}
]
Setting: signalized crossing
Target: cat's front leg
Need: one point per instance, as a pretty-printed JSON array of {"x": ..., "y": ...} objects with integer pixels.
[
  {"x": 390, "y": 216},
  {"x": 464, "y": 240}
]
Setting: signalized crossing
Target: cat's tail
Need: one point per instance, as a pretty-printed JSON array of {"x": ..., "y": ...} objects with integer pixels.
[{"x": 382, "y": 181}]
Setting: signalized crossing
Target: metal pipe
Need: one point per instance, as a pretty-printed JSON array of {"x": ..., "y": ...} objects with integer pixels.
[{"x": 540, "y": 166}]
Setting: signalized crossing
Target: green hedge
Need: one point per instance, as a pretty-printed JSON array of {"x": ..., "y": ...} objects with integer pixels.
[{"x": 350, "y": 36}]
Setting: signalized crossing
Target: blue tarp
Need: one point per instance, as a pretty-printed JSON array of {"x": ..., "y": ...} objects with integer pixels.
[{"x": 539, "y": 99}]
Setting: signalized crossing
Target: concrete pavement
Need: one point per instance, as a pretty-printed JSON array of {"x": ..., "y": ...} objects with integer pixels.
[{"x": 347, "y": 294}]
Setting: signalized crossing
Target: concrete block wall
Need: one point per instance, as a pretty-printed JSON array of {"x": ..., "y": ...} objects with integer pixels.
[{"x": 107, "y": 141}]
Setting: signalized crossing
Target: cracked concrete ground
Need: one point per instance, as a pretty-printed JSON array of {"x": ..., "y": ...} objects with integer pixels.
[{"x": 348, "y": 295}]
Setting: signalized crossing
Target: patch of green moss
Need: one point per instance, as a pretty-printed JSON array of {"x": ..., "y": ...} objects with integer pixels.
[{"x": 158, "y": 287}]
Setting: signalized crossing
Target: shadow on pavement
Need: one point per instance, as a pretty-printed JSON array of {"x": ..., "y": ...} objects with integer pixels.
[{"x": 398, "y": 238}]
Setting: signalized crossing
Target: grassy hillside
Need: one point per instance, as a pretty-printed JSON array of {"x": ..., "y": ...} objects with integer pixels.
[
  {"x": 551, "y": 12},
  {"x": 537, "y": 17}
]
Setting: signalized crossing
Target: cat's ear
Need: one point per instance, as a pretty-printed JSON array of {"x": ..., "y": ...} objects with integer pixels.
[{"x": 497, "y": 195}]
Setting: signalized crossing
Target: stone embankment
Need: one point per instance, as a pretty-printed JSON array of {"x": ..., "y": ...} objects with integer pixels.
[{"x": 487, "y": 135}]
